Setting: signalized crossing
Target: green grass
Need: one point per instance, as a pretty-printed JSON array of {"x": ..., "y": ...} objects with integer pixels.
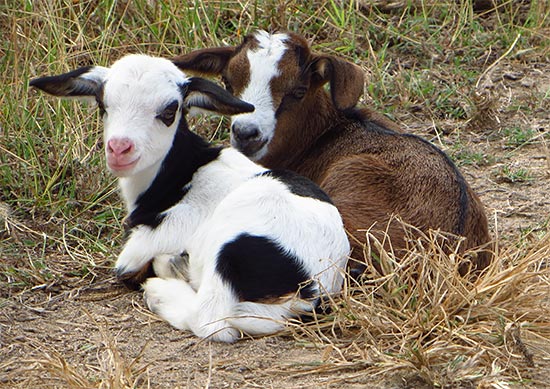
[
  {"x": 517, "y": 136},
  {"x": 514, "y": 175},
  {"x": 464, "y": 155}
]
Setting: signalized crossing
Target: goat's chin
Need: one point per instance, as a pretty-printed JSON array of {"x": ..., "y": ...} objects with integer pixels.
[{"x": 254, "y": 150}]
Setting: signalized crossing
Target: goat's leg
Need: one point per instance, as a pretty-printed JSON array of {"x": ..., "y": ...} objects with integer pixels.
[
  {"x": 259, "y": 319},
  {"x": 172, "y": 299},
  {"x": 203, "y": 312},
  {"x": 145, "y": 245},
  {"x": 216, "y": 302}
]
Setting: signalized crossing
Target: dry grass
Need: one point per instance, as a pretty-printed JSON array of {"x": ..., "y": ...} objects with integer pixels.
[
  {"x": 420, "y": 315},
  {"x": 111, "y": 369}
]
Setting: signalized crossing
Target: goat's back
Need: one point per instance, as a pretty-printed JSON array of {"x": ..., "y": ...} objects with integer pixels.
[{"x": 373, "y": 173}]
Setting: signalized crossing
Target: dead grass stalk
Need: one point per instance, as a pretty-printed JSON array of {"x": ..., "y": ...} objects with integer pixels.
[{"x": 419, "y": 314}]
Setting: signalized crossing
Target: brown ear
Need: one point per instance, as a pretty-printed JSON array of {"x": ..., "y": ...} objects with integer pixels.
[
  {"x": 205, "y": 61},
  {"x": 346, "y": 79}
]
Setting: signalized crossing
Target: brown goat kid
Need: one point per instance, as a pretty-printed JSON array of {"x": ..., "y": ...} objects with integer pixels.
[{"x": 370, "y": 169}]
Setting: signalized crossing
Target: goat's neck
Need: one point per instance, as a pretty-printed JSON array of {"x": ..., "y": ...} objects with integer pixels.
[
  {"x": 297, "y": 134},
  {"x": 132, "y": 187},
  {"x": 162, "y": 186}
]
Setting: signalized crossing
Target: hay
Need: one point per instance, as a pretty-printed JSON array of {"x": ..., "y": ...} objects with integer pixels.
[
  {"x": 111, "y": 369},
  {"x": 419, "y": 315}
]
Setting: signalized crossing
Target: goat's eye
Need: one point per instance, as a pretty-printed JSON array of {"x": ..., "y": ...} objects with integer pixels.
[
  {"x": 168, "y": 114},
  {"x": 227, "y": 84},
  {"x": 299, "y": 92}
]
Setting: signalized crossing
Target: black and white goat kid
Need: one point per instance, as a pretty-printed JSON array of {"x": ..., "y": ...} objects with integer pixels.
[{"x": 257, "y": 246}]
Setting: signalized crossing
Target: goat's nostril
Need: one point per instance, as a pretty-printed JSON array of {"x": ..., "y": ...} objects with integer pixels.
[
  {"x": 245, "y": 133},
  {"x": 127, "y": 150},
  {"x": 254, "y": 133},
  {"x": 120, "y": 146}
]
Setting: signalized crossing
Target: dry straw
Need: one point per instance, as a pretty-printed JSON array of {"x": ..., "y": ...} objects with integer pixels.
[
  {"x": 115, "y": 371},
  {"x": 419, "y": 315}
]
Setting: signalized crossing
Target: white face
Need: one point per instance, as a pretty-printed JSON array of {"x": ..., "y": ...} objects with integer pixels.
[
  {"x": 140, "y": 118},
  {"x": 263, "y": 62}
]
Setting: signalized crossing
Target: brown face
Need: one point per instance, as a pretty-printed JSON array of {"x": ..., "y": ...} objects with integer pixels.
[
  {"x": 284, "y": 81},
  {"x": 267, "y": 72}
]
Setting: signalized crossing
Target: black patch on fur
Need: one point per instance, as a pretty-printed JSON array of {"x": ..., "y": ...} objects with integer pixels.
[
  {"x": 188, "y": 153},
  {"x": 297, "y": 184},
  {"x": 67, "y": 84},
  {"x": 134, "y": 280},
  {"x": 151, "y": 219},
  {"x": 225, "y": 102},
  {"x": 302, "y": 56},
  {"x": 168, "y": 113},
  {"x": 258, "y": 268},
  {"x": 99, "y": 99}
]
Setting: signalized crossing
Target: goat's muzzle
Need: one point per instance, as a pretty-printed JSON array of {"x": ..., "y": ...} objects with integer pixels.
[{"x": 247, "y": 138}]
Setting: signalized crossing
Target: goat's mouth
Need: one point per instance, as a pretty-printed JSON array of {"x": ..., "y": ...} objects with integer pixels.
[
  {"x": 253, "y": 149},
  {"x": 121, "y": 167}
]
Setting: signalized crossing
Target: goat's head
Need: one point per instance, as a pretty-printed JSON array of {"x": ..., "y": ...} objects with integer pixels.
[
  {"x": 279, "y": 75},
  {"x": 143, "y": 101}
]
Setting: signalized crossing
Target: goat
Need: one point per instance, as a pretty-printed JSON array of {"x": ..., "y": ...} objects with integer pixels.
[
  {"x": 372, "y": 170},
  {"x": 256, "y": 246}
]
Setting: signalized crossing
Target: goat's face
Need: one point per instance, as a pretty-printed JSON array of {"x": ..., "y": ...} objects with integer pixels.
[
  {"x": 271, "y": 74},
  {"x": 142, "y": 100},
  {"x": 141, "y": 105},
  {"x": 279, "y": 75}
]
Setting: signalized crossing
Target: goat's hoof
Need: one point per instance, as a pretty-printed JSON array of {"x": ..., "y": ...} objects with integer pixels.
[{"x": 133, "y": 280}]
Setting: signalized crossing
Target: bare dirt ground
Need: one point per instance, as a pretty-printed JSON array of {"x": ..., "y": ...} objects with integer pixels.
[{"x": 84, "y": 333}]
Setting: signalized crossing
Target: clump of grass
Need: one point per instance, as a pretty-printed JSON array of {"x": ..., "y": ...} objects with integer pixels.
[
  {"x": 420, "y": 316},
  {"x": 464, "y": 155},
  {"x": 112, "y": 369},
  {"x": 514, "y": 175},
  {"x": 517, "y": 136},
  {"x": 482, "y": 112}
]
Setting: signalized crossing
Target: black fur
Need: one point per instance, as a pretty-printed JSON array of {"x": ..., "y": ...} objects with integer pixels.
[
  {"x": 67, "y": 84},
  {"x": 231, "y": 105},
  {"x": 134, "y": 280},
  {"x": 257, "y": 269},
  {"x": 188, "y": 153},
  {"x": 298, "y": 184}
]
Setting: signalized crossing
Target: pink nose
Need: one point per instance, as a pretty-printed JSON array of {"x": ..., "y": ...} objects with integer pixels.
[{"x": 120, "y": 146}]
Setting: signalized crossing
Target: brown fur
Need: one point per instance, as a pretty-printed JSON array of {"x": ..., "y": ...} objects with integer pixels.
[{"x": 370, "y": 169}]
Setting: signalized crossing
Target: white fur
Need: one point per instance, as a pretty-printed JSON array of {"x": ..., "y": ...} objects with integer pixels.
[
  {"x": 132, "y": 98},
  {"x": 263, "y": 68},
  {"x": 224, "y": 201},
  {"x": 225, "y": 198}
]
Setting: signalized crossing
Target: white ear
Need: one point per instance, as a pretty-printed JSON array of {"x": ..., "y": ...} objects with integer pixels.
[
  {"x": 84, "y": 82},
  {"x": 96, "y": 74}
]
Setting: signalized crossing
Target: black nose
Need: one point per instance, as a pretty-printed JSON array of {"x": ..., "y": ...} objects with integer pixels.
[{"x": 245, "y": 132}]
